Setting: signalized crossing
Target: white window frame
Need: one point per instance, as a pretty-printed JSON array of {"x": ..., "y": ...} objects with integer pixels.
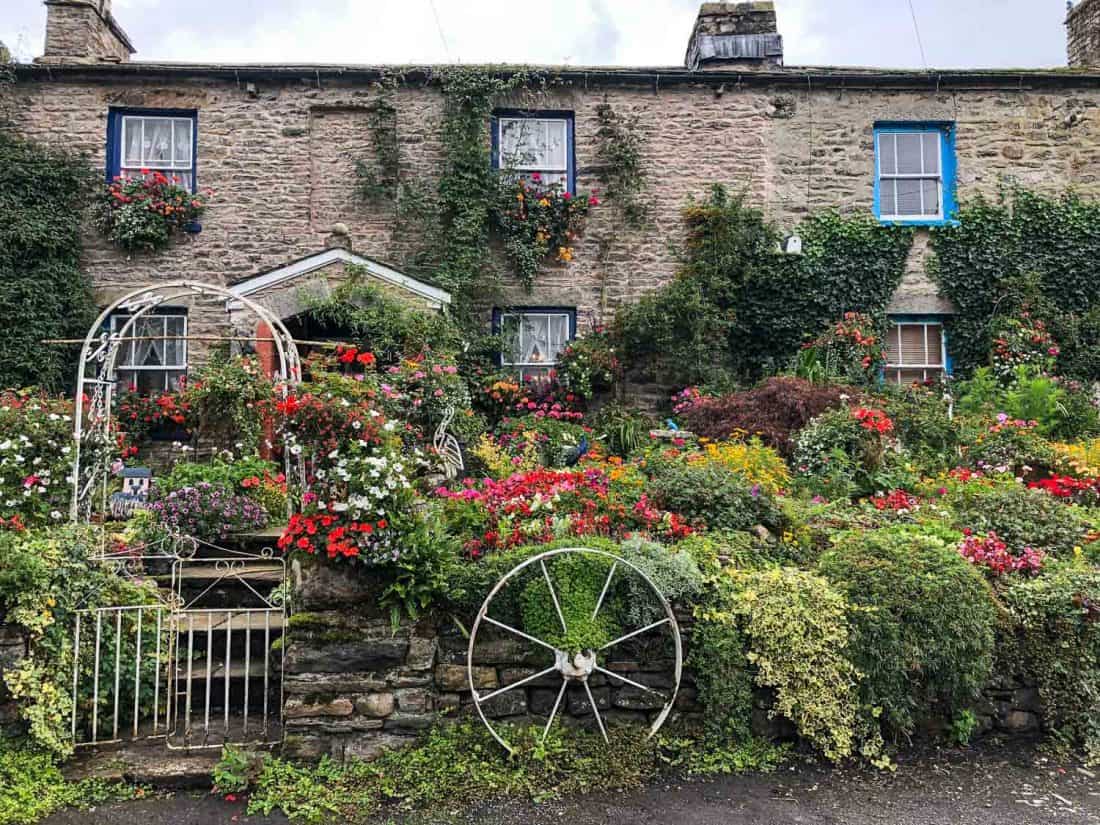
[
  {"x": 173, "y": 167},
  {"x": 891, "y": 215},
  {"x": 505, "y": 164},
  {"x": 926, "y": 368},
  {"x": 118, "y": 321},
  {"x": 541, "y": 366}
]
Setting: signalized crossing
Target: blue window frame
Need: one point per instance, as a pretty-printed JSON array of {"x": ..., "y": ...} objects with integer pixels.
[
  {"x": 533, "y": 337},
  {"x": 157, "y": 140},
  {"x": 529, "y": 143},
  {"x": 916, "y": 349},
  {"x": 915, "y": 173}
]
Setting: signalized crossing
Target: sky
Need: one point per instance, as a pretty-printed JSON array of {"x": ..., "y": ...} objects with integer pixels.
[{"x": 954, "y": 33}]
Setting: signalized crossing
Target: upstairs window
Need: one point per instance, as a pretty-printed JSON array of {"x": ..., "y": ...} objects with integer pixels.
[
  {"x": 916, "y": 351},
  {"x": 152, "y": 357},
  {"x": 534, "y": 338},
  {"x": 535, "y": 143},
  {"x": 149, "y": 140},
  {"x": 914, "y": 173}
]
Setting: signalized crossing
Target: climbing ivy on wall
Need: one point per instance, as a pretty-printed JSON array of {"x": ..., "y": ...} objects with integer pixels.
[
  {"x": 1023, "y": 250},
  {"x": 43, "y": 293},
  {"x": 619, "y": 155},
  {"x": 739, "y": 309}
]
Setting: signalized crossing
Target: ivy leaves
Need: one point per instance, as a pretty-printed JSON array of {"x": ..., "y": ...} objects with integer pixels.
[{"x": 1023, "y": 250}]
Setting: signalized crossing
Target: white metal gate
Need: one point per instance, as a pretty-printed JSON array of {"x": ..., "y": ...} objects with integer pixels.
[{"x": 195, "y": 668}]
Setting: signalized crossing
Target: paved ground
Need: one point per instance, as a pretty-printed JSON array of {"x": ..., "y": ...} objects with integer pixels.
[{"x": 940, "y": 788}]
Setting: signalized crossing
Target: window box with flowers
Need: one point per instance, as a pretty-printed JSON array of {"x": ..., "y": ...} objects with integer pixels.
[{"x": 143, "y": 213}]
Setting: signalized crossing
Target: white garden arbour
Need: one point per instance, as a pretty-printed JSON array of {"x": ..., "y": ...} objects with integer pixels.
[
  {"x": 93, "y": 430},
  {"x": 574, "y": 669}
]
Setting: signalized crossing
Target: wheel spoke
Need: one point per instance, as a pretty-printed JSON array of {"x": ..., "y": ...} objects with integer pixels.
[
  {"x": 606, "y": 585},
  {"x": 520, "y": 683},
  {"x": 519, "y": 633},
  {"x": 634, "y": 633},
  {"x": 595, "y": 710},
  {"x": 630, "y": 682},
  {"x": 553, "y": 595},
  {"x": 554, "y": 710}
]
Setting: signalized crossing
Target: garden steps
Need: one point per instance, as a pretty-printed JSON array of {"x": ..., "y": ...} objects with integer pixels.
[{"x": 145, "y": 762}]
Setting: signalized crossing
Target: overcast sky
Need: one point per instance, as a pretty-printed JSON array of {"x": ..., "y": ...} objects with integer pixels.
[{"x": 955, "y": 33}]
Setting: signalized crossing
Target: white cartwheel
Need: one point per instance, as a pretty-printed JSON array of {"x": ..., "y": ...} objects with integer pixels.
[{"x": 578, "y": 666}]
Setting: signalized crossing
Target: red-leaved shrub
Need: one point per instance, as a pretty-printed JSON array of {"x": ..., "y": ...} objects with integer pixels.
[{"x": 774, "y": 410}]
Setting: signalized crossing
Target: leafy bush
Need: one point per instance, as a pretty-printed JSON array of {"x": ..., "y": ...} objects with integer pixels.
[
  {"x": 1052, "y": 637},
  {"x": 377, "y": 322},
  {"x": 35, "y": 459},
  {"x": 1011, "y": 446},
  {"x": 924, "y": 427},
  {"x": 850, "y": 351},
  {"x": 775, "y": 410},
  {"x": 620, "y": 429},
  {"x": 589, "y": 366},
  {"x": 261, "y": 480},
  {"x": 750, "y": 461},
  {"x": 712, "y": 496},
  {"x": 1021, "y": 517},
  {"x": 228, "y": 399},
  {"x": 923, "y": 630}
]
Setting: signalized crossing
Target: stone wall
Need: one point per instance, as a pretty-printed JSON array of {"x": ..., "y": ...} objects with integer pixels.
[
  {"x": 13, "y": 647},
  {"x": 1083, "y": 34},
  {"x": 83, "y": 31},
  {"x": 279, "y": 149},
  {"x": 355, "y": 686}
]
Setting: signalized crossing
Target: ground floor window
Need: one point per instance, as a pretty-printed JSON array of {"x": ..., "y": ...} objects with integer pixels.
[
  {"x": 533, "y": 338},
  {"x": 916, "y": 350},
  {"x": 152, "y": 357}
]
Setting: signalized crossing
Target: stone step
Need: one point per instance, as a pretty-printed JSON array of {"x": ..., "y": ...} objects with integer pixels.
[{"x": 200, "y": 572}]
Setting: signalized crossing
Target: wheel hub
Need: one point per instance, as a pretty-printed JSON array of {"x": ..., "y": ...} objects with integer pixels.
[{"x": 577, "y": 667}]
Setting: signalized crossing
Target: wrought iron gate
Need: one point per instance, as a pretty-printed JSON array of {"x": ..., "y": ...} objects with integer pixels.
[{"x": 195, "y": 668}]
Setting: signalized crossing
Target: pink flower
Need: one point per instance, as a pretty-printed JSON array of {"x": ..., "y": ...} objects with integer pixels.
[{"x": 438, "y": 393}]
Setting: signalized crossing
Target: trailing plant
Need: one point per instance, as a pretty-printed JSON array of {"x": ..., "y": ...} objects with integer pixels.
[
  {"x": 923, "y": 627},
  {"x": 621, "y": 169},
  {"x": 143, "y": 213},
  {"x": 44, "y": 294},
  {"x": 380, "y": 181},
  {"x": 537, "y": 222},
  {"x": 228, "y": 400}
]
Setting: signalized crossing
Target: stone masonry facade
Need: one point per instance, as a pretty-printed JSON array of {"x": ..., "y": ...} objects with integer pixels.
[{"x": 278, "y": 145}]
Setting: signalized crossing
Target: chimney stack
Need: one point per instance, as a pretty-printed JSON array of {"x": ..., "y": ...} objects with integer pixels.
[
  {"x": 84, "y": 31},
  {"x": 735, "y": 34}
]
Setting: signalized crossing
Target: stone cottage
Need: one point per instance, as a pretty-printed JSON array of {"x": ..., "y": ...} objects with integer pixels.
[{"x": 279, "y": 145}]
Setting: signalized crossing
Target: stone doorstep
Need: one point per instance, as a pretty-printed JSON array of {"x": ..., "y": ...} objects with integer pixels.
[{"x": 149, "y": 763}]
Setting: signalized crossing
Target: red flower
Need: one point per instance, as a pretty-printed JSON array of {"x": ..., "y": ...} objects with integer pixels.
[{"x": 366, "y": 358}]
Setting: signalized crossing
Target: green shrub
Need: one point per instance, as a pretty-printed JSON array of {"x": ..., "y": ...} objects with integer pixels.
[
  {"x": 32, "y": 787},
  {"x": 1052, "y": 637},
  {"x": 923, "y": 627},
  {"x": 1021, "y": 517},
  {"x": 621, "y": 429},
  {"x": 711, "y": 495},
  {"x": 1008, "y": 448},
  {"x": 923, "y": 425},
  {"x": 578, "y": 580}
]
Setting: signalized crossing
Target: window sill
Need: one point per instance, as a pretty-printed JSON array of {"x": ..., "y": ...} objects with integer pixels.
[{"x": 917, "y": 221}]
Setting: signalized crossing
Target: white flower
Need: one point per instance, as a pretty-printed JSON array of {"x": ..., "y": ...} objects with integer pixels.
[
  {"x": 55, "y": 515},
  {"x": 296, "y": 449},
  {"x": 6, "y": 445}
]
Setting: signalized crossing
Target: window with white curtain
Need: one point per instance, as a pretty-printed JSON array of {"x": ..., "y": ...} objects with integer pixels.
[
  {"x": 533, "y": 340},
  {"x": 151, "y": 142},
  {"x": 152, "y": 357},
  {"x": 915, "y": 351},
  {"x": 535, "y": 145},
  {"x": 913, "y": 169}
]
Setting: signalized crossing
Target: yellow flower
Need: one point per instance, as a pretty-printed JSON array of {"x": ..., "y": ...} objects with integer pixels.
[
  {"x": 544, "y": 202},
  {"x": 519, "y": 197},
  {"x": 565, "y": 253}
]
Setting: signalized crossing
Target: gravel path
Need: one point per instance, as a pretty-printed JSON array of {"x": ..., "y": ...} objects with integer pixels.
[{"x": 994, "y": 787}]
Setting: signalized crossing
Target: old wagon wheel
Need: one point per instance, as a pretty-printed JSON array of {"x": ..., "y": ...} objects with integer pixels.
[{"x": 572, "y": 663}]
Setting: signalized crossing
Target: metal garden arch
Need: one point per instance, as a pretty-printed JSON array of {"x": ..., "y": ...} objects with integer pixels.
[{"x": 92, "y": 431}]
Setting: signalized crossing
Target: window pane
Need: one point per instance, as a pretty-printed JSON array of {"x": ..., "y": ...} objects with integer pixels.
[
  {"x": 935, "y": 344},
  {"x": 126, "y": 348},
  {"x": 158, "y": 141},
  {"x": 909, "y": 192},
  {"x": 887, "y": 157},
  {"x": 893, "y": 345},
  {"x": 149, "y": 348},
  {"x": 181, "y": 136},
  {"x": 931, "y": 153},
  {"x": 131, "y": 141},
  {"x": 175, "y": 349},
  {"x": 523, "y": 143},
  {"x": 559, "y": 335},
  {"x": 909, "y": 153},
  {"x": 510, "y": 334},
  {"x": 887, "y": 197},
  {"x": 931, "y": 196},
  {"x": 555, "y": 144},
  {"x": 912, "y": 344},
  {"x": 536, "y": 339}
]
